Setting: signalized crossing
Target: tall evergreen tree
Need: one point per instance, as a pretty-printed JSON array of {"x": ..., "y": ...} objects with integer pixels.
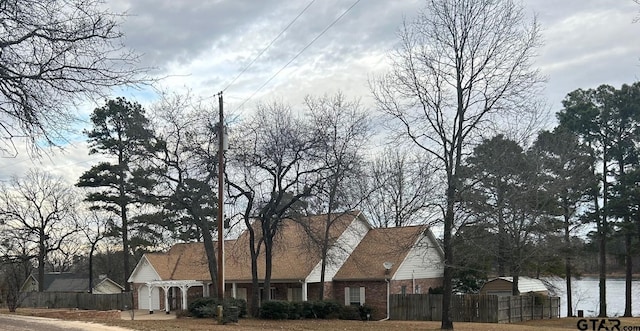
[
  {"x": 565, "y": 166},
  {"x": 606, "y": 120},
  {"x": 121, "y": 132}
]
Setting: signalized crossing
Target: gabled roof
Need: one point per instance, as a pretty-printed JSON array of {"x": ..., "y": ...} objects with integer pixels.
[
  {"x": 293, "y": 255},
  {"x": 377, "y": 247},
  {"x": 182, "y": 261},
  {"x": 106, "y": 281},
  {"x": 67, "y": 282}
]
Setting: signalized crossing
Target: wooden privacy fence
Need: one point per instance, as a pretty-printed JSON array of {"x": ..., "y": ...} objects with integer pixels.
[
  {"x": 119, "y": 301},
  {"x": 474, "y": 308}
]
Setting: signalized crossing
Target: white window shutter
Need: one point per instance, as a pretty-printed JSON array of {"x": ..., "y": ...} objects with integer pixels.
[
  {"x": 346, "y": 296},
  {"x": 289, "y": 294},
  {"x": 362, "y": 296}
]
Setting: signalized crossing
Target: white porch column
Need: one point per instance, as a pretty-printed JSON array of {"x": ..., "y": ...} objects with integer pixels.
[
  {"x": 234, "y": 290},
  {"x": 166, "y": 298},
  {"x": 150, "y": 299},
  {"x": 205, "y": 290},
  {"x": 304, "y": 290},
  {"x": 184, "y": 289}
]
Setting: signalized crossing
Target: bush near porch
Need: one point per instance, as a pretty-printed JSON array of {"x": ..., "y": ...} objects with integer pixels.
[
  {"x": 206, "y": 307},
  {"x": 279, "y": 310}
]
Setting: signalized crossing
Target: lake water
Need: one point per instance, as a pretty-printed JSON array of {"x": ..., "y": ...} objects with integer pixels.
[{"x": 586, "y": 296}]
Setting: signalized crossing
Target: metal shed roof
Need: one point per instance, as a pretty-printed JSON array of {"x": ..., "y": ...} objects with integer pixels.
[{"x": 525, "y": 284}]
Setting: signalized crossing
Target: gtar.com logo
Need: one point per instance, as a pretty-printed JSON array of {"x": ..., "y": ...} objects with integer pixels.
[{"x": 599, "y": 324}]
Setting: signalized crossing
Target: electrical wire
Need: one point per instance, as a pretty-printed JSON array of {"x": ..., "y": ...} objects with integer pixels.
[
  {"x": 269, "y": 45},
  {"x": 299, "y": 53}
]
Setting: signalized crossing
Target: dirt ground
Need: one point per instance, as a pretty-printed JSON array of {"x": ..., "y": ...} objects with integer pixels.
[{"x": 162, "y": 322}]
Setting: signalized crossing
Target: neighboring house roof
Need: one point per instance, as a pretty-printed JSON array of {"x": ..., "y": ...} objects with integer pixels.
[
  {"x": 107, "y": 285},
  {"x": 525, "y": 284},
  {"x": 295, "y": 257},
  {"x": 63, "y": 282}
]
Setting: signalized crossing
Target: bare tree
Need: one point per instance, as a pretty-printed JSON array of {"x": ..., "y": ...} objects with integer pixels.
[
  {"x": 16, "y": 257},
  {"x": 53, "y": 55},
  {"x": 460, "y": 63},
  {"x": 39, "y": 210},
  {"x": 343, "y": 130},
  {"x": 402, "y": 188},
  {"x": 95, "y": 228},
  {"x": 189, "y": 157},
  {"x": 273, "y": 167}
]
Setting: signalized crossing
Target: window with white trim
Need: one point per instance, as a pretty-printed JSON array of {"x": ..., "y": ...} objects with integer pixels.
[{"x": 354, "y": 296}]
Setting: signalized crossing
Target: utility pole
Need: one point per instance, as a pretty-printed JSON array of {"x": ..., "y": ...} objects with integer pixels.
[{"x": 221, "y": 146}]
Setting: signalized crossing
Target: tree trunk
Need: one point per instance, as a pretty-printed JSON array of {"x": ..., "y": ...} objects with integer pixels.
[
  {"x": 93, "y": 248},
  {"x": 212, "y": 260},
  {"x": 628, "y": 272},
  {"x": 41, "y": 256},
  {"x": 323, "y": 267},
  {"x": 602, "y": 247},
  {"x": 502, "y": 249},
  {"x": 567, "y": 267},
  {"x": 515, "y": 274},
  {"x": 268, "y": 265},
  {"x": 446, "y": 323},
  {"x": 325, "y": 246},
  {"x": 125, "y": 247},
  {"x": 255, "y": 286}
]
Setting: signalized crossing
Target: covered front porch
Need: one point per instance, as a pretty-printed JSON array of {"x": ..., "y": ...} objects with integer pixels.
[{"x": 166, "y": 286}]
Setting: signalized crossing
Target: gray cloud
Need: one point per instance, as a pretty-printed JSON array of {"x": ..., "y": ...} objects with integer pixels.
[{"x": 203, "y": 44}]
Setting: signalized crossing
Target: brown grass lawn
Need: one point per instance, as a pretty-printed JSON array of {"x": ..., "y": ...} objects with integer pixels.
[
  {"x": 251, "y": 324},
  {"x": 322, "y": 325}
]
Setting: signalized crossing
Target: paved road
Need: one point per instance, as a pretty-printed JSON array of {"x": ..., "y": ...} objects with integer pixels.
[{"x": 29, "y": 323}]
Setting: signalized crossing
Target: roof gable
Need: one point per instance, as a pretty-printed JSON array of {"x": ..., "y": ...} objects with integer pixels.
[
  {"x": 144, "y": 270},
  {"x": 377, "y": 247},
  {"x": 107, "y": 285},
  {"x": 295, "y": 251}
]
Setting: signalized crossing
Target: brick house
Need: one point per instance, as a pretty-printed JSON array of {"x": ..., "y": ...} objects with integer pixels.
[{"x": 364, "y": 265}]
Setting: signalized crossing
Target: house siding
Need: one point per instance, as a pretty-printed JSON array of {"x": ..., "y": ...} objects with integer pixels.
[
  {"x": 145, "y": 273},
  {"x": 340, "y": 251},
  {"x": 395, "y": 287},
  {"x": 422, "y": 261}
]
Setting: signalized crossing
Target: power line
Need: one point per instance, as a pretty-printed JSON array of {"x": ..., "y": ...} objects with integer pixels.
[
  {"x": 299, "y": 53},
  {"x": 269, "y": 45}
]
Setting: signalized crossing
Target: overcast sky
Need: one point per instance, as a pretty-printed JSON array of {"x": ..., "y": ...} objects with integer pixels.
[{"x": 202, "y": 45}]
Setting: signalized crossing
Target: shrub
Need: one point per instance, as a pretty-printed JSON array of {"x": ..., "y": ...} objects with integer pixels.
[
  {"x": 321, "y": 309},
  {"x": 296, "y": 310},
  {"x": 308, "y": 310},
  {"x": 365, "y": 312},
  {"x": 204, "y": 307},
  {"x": 275, "y": 309},
  {"x": 207, "y": 307},
  {"x": 350, "y": 313},
  {"x": 332, "y": 309}
]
